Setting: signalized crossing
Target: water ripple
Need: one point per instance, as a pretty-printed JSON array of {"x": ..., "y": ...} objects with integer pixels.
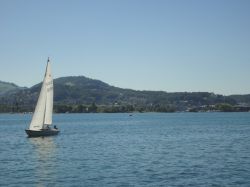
[{"x": 180, "y": 149}]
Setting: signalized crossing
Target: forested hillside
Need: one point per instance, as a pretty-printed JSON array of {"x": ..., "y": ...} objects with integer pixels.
[{"x": 81, "y": 94}]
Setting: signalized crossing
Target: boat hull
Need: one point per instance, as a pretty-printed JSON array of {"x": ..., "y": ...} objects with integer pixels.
[{"x": 42, "y": 132}]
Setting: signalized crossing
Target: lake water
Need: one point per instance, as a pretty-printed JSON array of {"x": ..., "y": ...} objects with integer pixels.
[{"x": 149, "y": 149}]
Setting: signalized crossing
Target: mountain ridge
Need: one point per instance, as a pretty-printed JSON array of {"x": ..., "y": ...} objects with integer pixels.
[
  {"x": 6, "y": 87},
  {"x": 80, "y": 90}
]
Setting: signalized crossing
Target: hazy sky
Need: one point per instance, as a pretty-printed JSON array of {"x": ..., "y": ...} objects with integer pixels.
[{"x": 169, "y": 45}]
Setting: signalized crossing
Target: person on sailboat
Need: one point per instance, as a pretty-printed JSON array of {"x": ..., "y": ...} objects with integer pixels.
[{"x": 55, "y": 127}]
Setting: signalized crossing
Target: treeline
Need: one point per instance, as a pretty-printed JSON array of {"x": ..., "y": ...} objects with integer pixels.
[
  {"x": 220, "y": 107},
  {"x": 93, "y": 108},
  {"x": 4, "y": 108}
]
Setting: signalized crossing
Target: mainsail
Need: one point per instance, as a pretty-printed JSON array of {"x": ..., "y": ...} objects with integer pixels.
[{"x": 44, "y": 108}]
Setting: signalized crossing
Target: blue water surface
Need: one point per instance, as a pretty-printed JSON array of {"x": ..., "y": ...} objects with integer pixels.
[{"x": 148, "y": 149}]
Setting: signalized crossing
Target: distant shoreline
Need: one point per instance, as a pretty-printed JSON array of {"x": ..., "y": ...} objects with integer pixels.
[{"x": 130, "y": 113}]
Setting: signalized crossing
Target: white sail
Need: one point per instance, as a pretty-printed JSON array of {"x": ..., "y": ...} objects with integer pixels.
[
  {"x": 44, "y": 108},
  {"x": 49, "y": 96}
]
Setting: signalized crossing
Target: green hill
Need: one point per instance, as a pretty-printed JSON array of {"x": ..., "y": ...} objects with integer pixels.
[
  {"x": 241, "y": 99},
  {"x": 7, "y": 87},
  {"x": 78, "y": 93}
]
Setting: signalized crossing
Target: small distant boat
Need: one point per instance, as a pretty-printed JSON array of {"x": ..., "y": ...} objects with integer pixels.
[{"x": 42, "y": 117}]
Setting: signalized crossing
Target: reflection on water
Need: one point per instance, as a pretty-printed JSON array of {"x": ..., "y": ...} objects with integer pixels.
[{"x": 44, "y": 150}]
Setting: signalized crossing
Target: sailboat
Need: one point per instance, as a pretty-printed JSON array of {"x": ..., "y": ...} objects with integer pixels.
[{"x": 42, "y": 117}]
